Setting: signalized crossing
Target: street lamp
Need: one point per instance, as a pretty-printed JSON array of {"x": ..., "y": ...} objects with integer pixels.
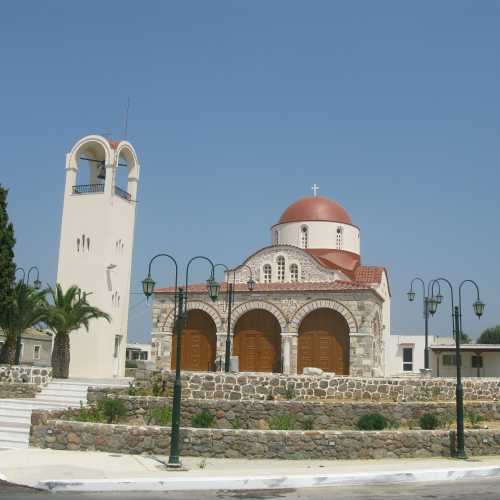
[
  {"x": 230, "y": 302},
  {"x": 428, "y": 306},
  {"x": 456, "y": 312},
  {"x": 180, "y": 315},
  {"x": 37, "y": 284}
]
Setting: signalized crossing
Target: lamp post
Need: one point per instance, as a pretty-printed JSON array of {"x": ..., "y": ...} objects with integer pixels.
[
  {"x": 180, "y": 310},
  {"x": 230, "y": 301},
  {"x": 456, "y": 314},
  {"x": 411, "y": 298},
  {"x": 37, "y": 284}
]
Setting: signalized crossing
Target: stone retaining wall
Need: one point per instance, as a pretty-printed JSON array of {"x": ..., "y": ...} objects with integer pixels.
[
  {"x": 59, "y": 435},
  {"x": 322, "y": 415},
  {"x": 264, "y": 386},
  {"x": 18, "y": 391},
  {"x": 25, "y": 374}
]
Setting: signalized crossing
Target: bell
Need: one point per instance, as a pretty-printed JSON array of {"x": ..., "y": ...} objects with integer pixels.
[{"x": 101, "y": 174}]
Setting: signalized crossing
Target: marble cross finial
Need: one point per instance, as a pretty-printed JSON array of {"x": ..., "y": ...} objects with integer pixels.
[{"x": 315, "y": 189}]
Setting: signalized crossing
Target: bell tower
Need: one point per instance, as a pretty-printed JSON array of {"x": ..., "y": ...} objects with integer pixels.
[{"x": 95, "y": 250}]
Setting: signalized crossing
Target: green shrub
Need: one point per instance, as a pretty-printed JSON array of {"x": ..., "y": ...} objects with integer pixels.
[
  {"x": 85, "y": 414},
  {"x": 237, "y": 423},
  {"x": 113, "y": 409},
  {"x": 204, "y": 419},
  {"x": 429, "y": 421},
  {"x": 308, "y": 424},
  {"x": 159, "y": 416},
  {"x": 372, "y": 422},
  {"x": 393, "y": 424},
  {"x": 282, "y": 423},
  {"x": 446, "y": 421},
  {"x": 130, "y": 364},
  {"x": 289, "y": 393},
  {"x": 158, "y": 388},
  {"x": 474, "y": 418}
]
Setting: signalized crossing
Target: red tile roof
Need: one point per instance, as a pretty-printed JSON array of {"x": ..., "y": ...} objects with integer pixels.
[{"x": 315, "y": 208}]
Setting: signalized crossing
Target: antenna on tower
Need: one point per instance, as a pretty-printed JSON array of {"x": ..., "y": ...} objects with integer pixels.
[{"x": 125, "y": 131}]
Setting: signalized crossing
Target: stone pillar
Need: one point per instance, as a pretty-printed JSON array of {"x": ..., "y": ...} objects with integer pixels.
[
  {"x": 361, "y": 355},
  {"x": 220, "y": 354},
  {"x": 289, "y": 352},
  {"x": 164, "y": 351}
]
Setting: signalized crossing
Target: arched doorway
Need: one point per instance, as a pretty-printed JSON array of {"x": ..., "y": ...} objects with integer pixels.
[
  {"x": 257, "y": 342},
  {"x": 199, "y": 343},
  {"x": 324, "y": 342}
]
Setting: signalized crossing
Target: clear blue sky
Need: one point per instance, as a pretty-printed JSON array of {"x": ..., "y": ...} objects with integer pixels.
[{"x": 239, "y": 107}]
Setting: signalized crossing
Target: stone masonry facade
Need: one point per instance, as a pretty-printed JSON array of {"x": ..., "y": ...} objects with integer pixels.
[
  {"x": 223, "y": 443},
  {"x": 13, "y": 390},
  {"x": 362, "y": 310}
]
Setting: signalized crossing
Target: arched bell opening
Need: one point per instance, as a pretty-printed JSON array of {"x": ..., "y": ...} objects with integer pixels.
[
  {"x": 323, "y": 342},
  {"x": 199, "y": 343},
  {"x": 257, "y": 342}
]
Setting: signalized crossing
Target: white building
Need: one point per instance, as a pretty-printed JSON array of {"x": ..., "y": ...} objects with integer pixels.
[
  {"x": 95, "y": 252},
  {"x": 314, "y": 303},
  {"x": 138, "y": 352}
]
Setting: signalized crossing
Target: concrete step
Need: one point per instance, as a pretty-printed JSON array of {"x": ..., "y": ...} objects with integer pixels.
[
  {"x": 9, "y": 445},
  {"x": 10, "y": 417},
  {"x": 14, "y": 428},
  {"x": 9, "y": 435},
  {"x": 63, "y": 391}
]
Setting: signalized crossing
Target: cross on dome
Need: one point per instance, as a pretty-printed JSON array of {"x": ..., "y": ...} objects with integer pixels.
[{"x": 315, "y": 189}]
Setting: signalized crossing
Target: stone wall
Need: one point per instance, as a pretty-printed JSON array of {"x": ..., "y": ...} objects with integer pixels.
[
  {"x": 264, "y": 386},
  {"x": 25, "y": 374},
  {"x": 59, "y": 435},
  {"x": 13, "y": 390},
  {"x": 322, "y": 415}
]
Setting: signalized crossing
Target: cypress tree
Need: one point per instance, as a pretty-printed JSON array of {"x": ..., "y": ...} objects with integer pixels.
[{"x": 7, "y": 264}]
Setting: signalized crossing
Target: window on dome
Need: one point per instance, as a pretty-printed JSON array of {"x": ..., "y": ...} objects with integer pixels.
[
  {"x": 304, "y": 236},
  {"x": 294, "y": 273},
  {"x": 339, "y": 238},
  {"x": 267, "y": 273},
  {"x": 281, "y": 268},
  {"x": 276, "y": 237}
]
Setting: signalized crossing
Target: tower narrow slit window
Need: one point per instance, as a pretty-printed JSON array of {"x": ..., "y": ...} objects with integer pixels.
[
  {"x": 267, "y": 273},
  {"x": 339, "y": 238},
  {"x": 281, "y": 268},
  {"x": 304, "y": 236},
  {"x": 294, "y": 273}
]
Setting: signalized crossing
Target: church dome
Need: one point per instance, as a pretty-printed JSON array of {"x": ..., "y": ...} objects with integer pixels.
[{"x": 315, "y": 208}]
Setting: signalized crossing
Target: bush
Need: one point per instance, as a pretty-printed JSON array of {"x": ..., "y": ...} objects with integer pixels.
[
  {"x": 289, "y": 393},
  {"x": 159, "y": 416},
  {"x": 308, "y": 424},
  {"x": 130, "y": 364},
  {"x": 429, "y": 421},
  {"x": 85, "y": 414},
  {"x": 474, "y": 418},
  {"x": 237, "y": 423},
  {"x": 204, "y": 419},
  {"x": 372, "y": 422},
  {"x": 113, "y": 409},
  {"x": 282, "y": 423},
  {"x": 158, "y": 388}
]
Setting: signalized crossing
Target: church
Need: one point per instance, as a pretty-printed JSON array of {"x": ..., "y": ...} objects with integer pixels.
[{"x": 313, "y": 303}]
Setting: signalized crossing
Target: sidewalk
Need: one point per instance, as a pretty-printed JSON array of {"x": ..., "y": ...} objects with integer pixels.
[{"x": 96, "y": 471}]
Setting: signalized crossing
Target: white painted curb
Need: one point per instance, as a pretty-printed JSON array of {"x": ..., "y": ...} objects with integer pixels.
[
  {"x": 266, "y": 482},
  {"x": 2, "y": 477}
]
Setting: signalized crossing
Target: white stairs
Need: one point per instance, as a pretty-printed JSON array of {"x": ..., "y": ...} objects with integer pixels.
[{"x": 60, "y": 394}]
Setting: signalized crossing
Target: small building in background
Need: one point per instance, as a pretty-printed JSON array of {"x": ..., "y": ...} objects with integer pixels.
[
  {"x": 138, "y": 352},
  {"x": 36, "y": 347}
]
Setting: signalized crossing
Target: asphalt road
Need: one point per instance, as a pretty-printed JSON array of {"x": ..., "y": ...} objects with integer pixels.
[{"x": 487, "y": 489}]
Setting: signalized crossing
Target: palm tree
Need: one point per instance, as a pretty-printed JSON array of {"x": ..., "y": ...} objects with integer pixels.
[
  {"x": 68, "y": 311},
  {"x": 26, "y": 309}
]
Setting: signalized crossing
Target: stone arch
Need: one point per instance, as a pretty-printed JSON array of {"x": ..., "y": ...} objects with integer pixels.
[
  {"x": 126, "y": 150},
  {"x": 90, "y": 141},
  {"x": 323, "y": 303},
  {"x": 200, "y": 305},
  {"x": 259, "y": 304}
]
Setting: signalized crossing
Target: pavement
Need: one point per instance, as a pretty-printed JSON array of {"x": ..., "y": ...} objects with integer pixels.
[{"x": 59, "y": 471}]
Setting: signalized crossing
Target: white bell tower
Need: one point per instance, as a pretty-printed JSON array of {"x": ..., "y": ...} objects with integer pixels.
[{"x": 95, "y": 251}]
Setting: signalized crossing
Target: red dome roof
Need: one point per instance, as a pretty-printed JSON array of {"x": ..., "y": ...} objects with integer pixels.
[{"x": 315, "y": 208}]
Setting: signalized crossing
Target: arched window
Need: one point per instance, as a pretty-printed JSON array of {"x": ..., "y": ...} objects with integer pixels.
[
  {"x": 339, "y": 238},
  {"x": 267, "y": 273},
  {"x": 276, "y": 237},
  {"x": 281, "y": 268},
  {"x": 294, "y": 273},
  {"x": 78, "y": 244},
  {"x": 304, "y": 237},
  {"x": 88, "y": 243}
]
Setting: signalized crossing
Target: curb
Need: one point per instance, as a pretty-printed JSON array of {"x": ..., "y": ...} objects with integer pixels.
[{"x": 266, "y": 482}]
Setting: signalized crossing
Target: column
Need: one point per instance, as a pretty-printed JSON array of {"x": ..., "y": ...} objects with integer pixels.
[
  {"x": 220, "y": 354},
  {"x": 164, "y": 351},
  {"x": 289, "y": 353}
]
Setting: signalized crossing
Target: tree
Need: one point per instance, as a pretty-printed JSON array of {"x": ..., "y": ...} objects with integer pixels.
[
  {"x": 490, "y": 336},
  {"x": 26, "y": 308},
  {"x": 68, "y": 311},
  {"x": 465, "y": 339},
  {"x": 7, "y": 264}
]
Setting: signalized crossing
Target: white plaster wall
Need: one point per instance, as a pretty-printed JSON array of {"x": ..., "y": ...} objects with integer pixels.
[
  {"x": 394, "y": 353},
  {"x": 322, "y": 234},
  {"x": 491, "y": 365},
  {"x": 105, "y": 218}
]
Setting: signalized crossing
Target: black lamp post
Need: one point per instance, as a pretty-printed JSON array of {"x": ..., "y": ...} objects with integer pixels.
[
  {"x": 37, "y": 284},
  {"x": 456, "y": 314},
  {"x": 411, "y": 297},
  {"x": 180, "y": 315},
  {"x": 230, "y": 301}
]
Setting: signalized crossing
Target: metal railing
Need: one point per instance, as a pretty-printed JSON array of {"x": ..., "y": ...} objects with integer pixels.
[
  {"x": 122, "y": 193},
  {"x": 88, "y": 188}
]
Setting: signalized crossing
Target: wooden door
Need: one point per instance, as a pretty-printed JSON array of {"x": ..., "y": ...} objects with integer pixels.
[
  {"x": 199, "y": 342},
  {"x": 324, "y": 342},
  {"x": 257, "y": 342}
]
